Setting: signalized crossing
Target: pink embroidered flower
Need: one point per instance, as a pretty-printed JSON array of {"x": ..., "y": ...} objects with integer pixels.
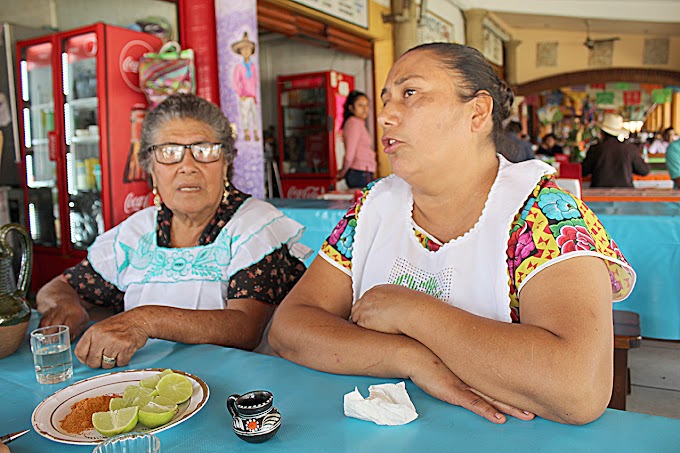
[
  {"x": 575, "y": 238},
  {"x": 520, "y": 246},
  {"x": 337, "y": 232}
]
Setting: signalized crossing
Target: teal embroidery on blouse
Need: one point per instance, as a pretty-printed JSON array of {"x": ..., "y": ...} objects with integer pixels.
[{"x": 205, "y": 262}]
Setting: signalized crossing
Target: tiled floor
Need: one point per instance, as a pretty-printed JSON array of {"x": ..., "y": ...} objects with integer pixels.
[{"x": 655, "y": 378}]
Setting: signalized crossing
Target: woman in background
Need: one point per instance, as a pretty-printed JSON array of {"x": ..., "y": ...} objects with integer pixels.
[{"x": 359, "y": 165}]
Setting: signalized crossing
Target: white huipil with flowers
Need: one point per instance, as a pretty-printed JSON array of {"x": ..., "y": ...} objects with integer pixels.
[
  {"x": 469, "y": 272},
  {"x": 129, "y": 257}
]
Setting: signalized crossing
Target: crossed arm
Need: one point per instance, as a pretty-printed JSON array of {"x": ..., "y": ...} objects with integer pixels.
[
  {"x": 556, "y": 364},
  {"x": 241, "y": 325}
]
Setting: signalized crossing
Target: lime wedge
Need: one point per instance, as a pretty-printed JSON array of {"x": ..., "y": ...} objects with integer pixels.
[
  {"x": 117, "y": 403},
  {"x": 112, "y": 423},
  {"x": 152, "y": 381},
  {"x": 137, "y": 396},
  {"x": 176, "y": 387},
  {"x": 158, "y": 412}
]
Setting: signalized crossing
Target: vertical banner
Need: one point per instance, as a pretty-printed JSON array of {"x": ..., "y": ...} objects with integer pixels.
[{"x": 239, "y": 78}]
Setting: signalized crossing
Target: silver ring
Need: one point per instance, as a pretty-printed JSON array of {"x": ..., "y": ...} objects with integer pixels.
[{"x": 108, "y": 360}]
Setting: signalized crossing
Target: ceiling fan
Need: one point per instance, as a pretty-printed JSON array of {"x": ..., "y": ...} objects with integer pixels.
[{"x": 591, "y": 43}]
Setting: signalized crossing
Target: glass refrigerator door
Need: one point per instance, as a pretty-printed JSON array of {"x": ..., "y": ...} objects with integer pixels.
[
  {"x": 41, "y": 167},
  {"x": 81, "y": 134},
  {"x": 305, "y": 131}
]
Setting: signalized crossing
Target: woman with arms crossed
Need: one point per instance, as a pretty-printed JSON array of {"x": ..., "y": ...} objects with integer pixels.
[
  {"x": 207, "y": 264},
  {"x": 424, "y": 278}
]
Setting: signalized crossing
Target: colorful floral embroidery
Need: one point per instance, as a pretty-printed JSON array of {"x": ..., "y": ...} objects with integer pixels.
[{"x": 551, "y": 223}]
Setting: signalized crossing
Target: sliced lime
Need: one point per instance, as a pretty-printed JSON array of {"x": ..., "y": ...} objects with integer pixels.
[
  {"x": 176, "y": 387},
  {"x": 158, "y": 412},
  {"x": 152, "y": 381},
  {"x": 117, "y": 403},
  {"x": 137, "y": 396},
  {"x": 112, "y": 423}
]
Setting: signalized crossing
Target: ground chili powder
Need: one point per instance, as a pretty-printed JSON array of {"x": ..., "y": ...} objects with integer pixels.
[{"x": 80, "y": 418}]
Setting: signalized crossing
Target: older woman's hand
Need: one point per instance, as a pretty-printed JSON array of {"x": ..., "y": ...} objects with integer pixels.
[
  {"x": 384, "y": 308},
  {"x": 68, "y": 313},
  {"x": 117, "y": 337}
]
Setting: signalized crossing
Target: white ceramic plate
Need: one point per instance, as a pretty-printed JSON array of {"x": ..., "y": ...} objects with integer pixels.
[{"x": 52, "y": 410}]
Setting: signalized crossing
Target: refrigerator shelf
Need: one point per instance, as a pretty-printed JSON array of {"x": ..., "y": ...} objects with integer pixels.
[
  {"x": 85, "y": 139},
  {"x": 84, "y": 103},
  {"x": 49, "y": 106}
]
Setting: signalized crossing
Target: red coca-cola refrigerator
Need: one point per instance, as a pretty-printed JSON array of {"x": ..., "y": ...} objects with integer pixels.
[
  {"x": 80, "y": 118},
  {"x": 310, "y": 138}
]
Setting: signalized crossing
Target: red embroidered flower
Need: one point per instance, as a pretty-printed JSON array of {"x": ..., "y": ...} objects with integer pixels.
[{"x": 574, "y": 238}]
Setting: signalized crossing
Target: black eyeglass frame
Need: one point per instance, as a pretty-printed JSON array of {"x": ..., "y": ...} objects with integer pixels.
[{"x": 194, "y": 152}]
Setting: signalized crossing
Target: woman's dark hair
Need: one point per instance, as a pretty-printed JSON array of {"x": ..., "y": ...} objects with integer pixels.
[
  {"x": 349, "y": 102},
  {"x": 475, "y": 74},
  {"x": 186, "y": 106}
]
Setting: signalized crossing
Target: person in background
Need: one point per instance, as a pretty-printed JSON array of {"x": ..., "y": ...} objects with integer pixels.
[
  {"x": 673, "y": 162},
  {"x": 207, "y": 264},
  {"x": 549, "y": 146},
  {"x": 516, "y": 149},
  {"x": 477, "y": 278},
  {"x": 611, "y": 162},
  {"x": 359, "y": 163},
  {"x": 659, "y": 145}
]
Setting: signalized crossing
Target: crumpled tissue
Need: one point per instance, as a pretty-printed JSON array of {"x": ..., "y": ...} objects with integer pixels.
[{"x": 387, "y": 404}]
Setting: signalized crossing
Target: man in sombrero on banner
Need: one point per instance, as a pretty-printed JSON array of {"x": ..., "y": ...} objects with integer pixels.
[{"x": 245, "y": 83}]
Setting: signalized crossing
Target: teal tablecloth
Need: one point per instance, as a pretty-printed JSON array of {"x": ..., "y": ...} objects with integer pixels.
[
  {"x": 647, "y": 233},
  {"x": 311, "y": 404}
]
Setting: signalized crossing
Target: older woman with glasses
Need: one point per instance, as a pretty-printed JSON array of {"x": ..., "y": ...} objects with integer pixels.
[{"x": 206, "y": 264}]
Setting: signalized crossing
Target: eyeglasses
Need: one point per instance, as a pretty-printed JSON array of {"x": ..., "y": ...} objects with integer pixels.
[{"x": 171, "y": 153}]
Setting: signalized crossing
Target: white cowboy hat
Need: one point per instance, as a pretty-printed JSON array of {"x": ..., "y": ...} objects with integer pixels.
[{"x": 613, "y": 125}]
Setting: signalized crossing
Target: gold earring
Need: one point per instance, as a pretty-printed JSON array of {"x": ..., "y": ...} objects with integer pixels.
[
  {"x": 156, "y": 198},
  {"x": 225, "y": 194}
]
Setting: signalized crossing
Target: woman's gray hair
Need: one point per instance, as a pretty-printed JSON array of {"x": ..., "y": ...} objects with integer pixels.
[{"x": 186, "y": 106}]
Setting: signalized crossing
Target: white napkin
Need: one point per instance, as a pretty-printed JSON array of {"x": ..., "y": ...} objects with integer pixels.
[{"x": 387, "y": 404}]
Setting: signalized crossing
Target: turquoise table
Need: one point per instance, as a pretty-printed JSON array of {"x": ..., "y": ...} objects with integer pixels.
[
  {"x": 311, "y": 404},
  {"x": 647, "y": 233}
]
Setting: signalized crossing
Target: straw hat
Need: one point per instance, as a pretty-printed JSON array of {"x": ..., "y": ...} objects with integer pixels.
[
  {"x": 238, "y": 46},
  {"x": 613, "y": 124}
]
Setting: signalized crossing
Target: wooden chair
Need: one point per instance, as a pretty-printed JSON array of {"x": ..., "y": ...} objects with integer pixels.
[{"x": 626, "y": 336}]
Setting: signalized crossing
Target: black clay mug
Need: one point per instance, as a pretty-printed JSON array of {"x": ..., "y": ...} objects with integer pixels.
[{"x": 255, "y": 419}]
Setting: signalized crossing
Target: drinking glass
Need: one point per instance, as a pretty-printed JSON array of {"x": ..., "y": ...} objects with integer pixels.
[
  {"x": 130, "y": 443},
  {"x": 51, "y": 347}
]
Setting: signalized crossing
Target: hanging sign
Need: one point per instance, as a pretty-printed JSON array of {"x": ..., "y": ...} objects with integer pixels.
[
  {"x": 661, "y": 96},
  {"x": 352, "y": 11},
  {"x": 631, "y": 97},
  {"x": 605, "y": 97}
]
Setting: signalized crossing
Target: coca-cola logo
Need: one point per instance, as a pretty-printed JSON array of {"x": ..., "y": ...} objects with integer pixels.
[
  {"x": 128, "y": 62},
  {"x": 130, "y": 65},
  {"x": 305, "y": 192},
  {"x": 134, "y": 203}
]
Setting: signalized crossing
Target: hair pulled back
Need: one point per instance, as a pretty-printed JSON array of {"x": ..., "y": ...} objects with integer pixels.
[{"x": 475, "y": 75}]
